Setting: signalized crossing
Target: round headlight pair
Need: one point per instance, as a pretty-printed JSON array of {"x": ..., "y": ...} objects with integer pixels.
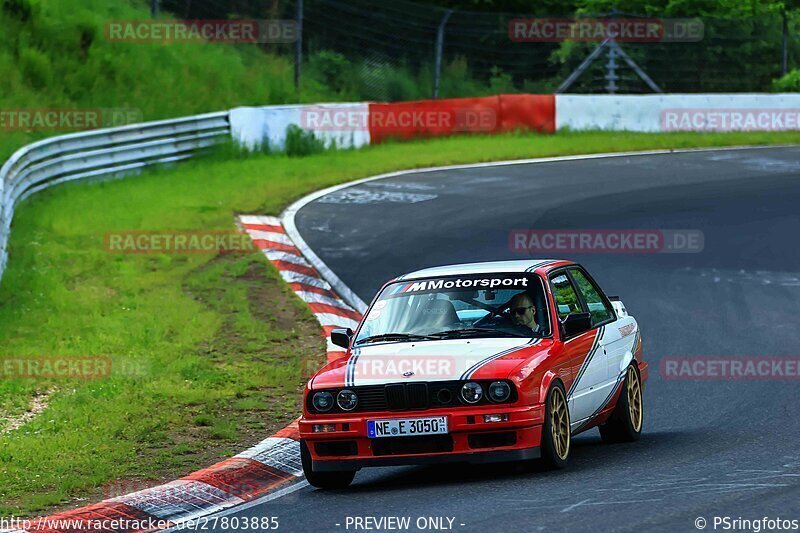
[
  {"x": 346, "y": 400},
  {"x": 499, "y": 391}
]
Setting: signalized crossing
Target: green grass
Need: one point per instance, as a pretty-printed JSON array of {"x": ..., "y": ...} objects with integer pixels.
[
  {"x": 54, "y": 54},
  {"x": 207, "y": 350}
]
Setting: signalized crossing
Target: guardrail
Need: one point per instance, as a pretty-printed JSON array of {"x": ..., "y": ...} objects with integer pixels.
[{"x": 105, "y": 153}]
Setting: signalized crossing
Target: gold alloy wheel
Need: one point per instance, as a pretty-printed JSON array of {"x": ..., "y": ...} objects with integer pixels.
[
  {"x": 634, "y": 398},
  {"x": 559, "y": 423}
]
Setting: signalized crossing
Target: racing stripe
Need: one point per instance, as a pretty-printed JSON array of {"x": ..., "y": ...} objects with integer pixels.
[
  {"x": 589, "y": 356},
  {"x": 603, "y": 405},
  {"x": 350, "y": 371},
  {"x": 471, "y": 370},
  {"x": 539, "y": 265}
]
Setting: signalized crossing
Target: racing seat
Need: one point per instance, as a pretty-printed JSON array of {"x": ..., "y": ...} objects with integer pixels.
[{"x": 436, "y": 314}]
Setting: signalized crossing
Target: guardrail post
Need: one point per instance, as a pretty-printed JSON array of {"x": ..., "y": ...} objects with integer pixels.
[
  {"x": 437, "y": 69},
  {"x": 298, "y": 45}
]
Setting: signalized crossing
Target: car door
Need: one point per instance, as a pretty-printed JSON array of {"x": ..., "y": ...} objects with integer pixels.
[
  {"x": 589, "y": 366},
  {"x": 611, "y": 345}
]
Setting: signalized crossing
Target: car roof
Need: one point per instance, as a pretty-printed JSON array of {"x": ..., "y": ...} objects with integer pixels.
[{"x": 490, "y": 267}]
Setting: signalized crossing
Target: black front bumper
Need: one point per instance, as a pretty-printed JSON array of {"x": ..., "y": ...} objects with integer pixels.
[{"x": 498, "y": 456}]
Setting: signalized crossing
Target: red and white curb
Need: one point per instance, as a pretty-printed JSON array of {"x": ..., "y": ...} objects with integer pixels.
[
  {"x": 271, "y": 466},
  {"x": 331, "y": 311}
]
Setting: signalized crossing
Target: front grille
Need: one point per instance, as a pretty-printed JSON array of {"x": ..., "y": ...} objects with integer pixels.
[
  {"x": 417, "y": 395},
  {"x": 396, "y": 397},
  {"x": 371, "y": 398},
  {"x": 411, "y": 396},
  {"x": 412, "y": 445}
]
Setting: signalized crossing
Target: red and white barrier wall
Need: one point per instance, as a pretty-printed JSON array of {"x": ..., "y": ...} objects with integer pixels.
[
  {"x": 342, "y": 124},
  {"x": 358, "y": 124},
  {"x": 678, "y": 112}
]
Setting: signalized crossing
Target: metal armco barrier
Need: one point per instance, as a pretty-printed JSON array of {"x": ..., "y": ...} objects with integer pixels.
[{"x": 105, "y": 153}]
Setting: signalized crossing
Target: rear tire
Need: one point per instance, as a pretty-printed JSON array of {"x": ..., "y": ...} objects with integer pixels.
[
  {"x": 625, "y": 423},
  {"x": 323, "y": 480},
  {"x": 556, "y": 432}
]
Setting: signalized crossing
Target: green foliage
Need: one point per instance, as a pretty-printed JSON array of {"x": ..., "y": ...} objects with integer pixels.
[
  {"x": 36, "y": 68},
  {"x": 500, "y": 82},
  {"x": 788, "y": 83},
  {"x": 56, "y": 54},
  {"x": 21, "y": 10},
  {"x": 332, "y": 69},
  {"x": 300, "y": 143}
]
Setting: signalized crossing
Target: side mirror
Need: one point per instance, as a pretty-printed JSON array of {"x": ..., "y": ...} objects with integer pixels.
[
  {"x": 576, "y": 323},
  {"x": 341, "y": 337}
]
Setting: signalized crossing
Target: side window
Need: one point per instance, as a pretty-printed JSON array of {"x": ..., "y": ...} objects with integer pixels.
[
  {"x": 566, "y": 300},
  {"x": 591, "y": 295}
]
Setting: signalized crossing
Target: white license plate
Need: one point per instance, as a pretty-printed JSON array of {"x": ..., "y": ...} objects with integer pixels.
[{"x": 407, "y": 427}]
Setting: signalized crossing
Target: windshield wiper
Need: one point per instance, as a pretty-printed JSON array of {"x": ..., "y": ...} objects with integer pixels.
[
  {"x": 395, "y": 337},
  {"x": 473, "y": 332}
]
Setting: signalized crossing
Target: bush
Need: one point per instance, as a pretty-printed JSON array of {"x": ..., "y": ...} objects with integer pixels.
[
  {"x": 500, "y": 82},
  {"x": 21, "y": 10},
  {"x": 301, "y": 143},
  {"x": 332, "y": 69},
  {"x": 788, "y": 83},
  {"x": 383, "y": 82},
  {"x": 36, "y": 68}
]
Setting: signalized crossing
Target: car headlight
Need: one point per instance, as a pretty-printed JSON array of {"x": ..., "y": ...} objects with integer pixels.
[
  {"x": 347, "y": 400},
  {"x": 499, "y": 391},
  {"x": 472, "y": 392},
  {"x": 323, "y": 401}
]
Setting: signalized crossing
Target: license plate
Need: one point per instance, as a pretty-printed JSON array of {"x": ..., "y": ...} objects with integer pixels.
[{"x": 406, "y": 427}]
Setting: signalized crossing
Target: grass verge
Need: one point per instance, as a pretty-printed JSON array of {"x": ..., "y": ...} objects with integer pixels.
[{"x": 207, "y": 351}]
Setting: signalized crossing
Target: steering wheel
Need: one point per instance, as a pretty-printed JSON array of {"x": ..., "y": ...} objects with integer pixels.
[{"x": 492, "y": 316}]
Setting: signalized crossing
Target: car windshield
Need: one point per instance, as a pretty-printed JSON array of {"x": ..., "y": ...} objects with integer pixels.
[{"x": 487, "y": 305}]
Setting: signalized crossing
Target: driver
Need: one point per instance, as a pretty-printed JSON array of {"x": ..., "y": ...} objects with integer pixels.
[{"x": 523, "y": 311}]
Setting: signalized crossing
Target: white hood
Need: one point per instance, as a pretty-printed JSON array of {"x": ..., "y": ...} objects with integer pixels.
[{"x": 424, "y": 361}]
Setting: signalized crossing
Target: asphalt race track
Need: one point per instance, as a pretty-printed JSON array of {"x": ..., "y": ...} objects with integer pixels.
[{"x": 710, "y": 448}]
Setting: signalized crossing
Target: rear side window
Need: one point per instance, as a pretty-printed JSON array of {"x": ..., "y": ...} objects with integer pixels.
[
  {"x": 566, "y": 300},
  {"x": 591, "y": 295}
]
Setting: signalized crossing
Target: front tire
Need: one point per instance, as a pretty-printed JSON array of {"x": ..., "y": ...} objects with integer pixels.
[
  {"x": 556, "y": 432},
  {"x": 625, "y": 423},
  {"x": 323, "y": 480}
]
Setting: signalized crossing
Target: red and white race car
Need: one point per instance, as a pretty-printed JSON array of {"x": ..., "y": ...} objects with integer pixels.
[{"x": 480, "y": 362}]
